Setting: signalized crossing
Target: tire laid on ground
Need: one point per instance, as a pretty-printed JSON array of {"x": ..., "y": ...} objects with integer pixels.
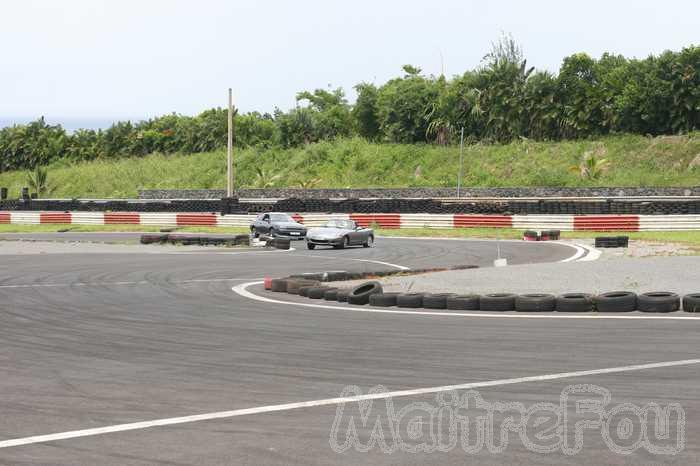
[
  {"x": 410, "y": 300},
  {"x": 463, "y": 302},
  {"x": 575, "y": 302},
  {"x": 658, "y": 301},
  {"x": 293, "y": 285},
  {"x": 691, "y": 302},
  {"x": 436, "y": 300},
  {"x": 331, "y": 294},
  {"x": 334, "y": 276},
  {"x": 343, "y": 296},
  {"x": 383, "y": 299},
  {"x": 318, "y": 292},
  {"x": 535, "y": 302},
  {"x": 304, "y": 290},
  {"x": 281, "y": 243},
  {"x": 151, "y": 239},
  {"x": 616, "y": 301},
  {"x": 361, "y": 293},
  {"x": 279, "y": 285},
  {"x": 497, "y": 302},
  {"x": 315, "y": 276}
]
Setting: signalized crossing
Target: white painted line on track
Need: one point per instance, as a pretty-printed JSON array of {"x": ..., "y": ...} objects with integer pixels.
[
  {"x": 584, "y": 253},
  {"x": 333, "y": 401},
  {"x": 242, "y": 290},
  {"x": 140, "y": 282},
  {"x": 388, "y": 264},
  {"x": 580, "y": 252},
  {"x": 593, "y": 253}
]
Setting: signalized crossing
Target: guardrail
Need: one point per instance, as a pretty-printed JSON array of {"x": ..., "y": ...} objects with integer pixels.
[{"x": 388, "y": 220}]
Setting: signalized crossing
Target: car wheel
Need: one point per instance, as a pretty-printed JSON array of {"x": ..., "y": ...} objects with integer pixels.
[
  {"x": 311, "y": 246},
  {"x": 344, "y": 244},
  {"x": 272, "y": 233},
  {"x": 369, "y": 243},
  {"x": 254, "y": 233}
]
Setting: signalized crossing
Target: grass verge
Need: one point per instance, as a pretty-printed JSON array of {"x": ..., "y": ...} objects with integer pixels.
[
  {"x": 681, "y": 237},
  {"x": 355, "y": 163}
]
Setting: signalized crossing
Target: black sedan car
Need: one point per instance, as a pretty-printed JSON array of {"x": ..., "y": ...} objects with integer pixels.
[{"x": 277, "y": 225}]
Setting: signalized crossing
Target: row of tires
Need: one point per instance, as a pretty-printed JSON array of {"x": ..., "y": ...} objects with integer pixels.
[
  {"x": 612, "y": 241},
  {"x": 372, "y": 293},
  {"x": 204, "y": 240}
]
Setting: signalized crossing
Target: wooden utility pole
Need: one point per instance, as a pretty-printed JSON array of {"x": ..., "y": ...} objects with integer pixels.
[{"x": 229, "y": 152}]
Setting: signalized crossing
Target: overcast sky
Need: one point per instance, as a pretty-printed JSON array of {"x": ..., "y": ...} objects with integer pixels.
[{"x": 141, "y": 58}]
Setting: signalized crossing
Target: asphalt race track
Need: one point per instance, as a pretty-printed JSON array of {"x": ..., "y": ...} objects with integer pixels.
[{"x": 98, "y": 340}]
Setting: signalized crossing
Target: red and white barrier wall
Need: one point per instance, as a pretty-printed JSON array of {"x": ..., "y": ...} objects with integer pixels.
[{"x": 394, "y": 221}]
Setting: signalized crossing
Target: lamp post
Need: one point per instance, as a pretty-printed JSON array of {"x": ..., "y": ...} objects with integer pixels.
[{"x": 229, "y": 152}]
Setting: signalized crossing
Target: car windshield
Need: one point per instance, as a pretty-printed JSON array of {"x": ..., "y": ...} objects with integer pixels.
[
  {"x": 344, "y": 224},
  {"x": 281, "y": 218}
]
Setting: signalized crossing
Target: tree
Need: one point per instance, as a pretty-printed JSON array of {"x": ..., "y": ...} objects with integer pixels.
[
  {"x": 364, "y": 112},
  {"x": 404, "y": 105}
]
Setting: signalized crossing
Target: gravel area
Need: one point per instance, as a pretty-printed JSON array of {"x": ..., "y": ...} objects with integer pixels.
[{"x": 679, "y": 274}]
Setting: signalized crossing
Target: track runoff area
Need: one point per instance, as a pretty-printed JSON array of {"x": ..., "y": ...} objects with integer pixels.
[{"x": 155, "y": 355}]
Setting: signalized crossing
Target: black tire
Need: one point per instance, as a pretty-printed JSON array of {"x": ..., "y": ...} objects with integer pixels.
[
  {"x": 616, "y": 301},
  {"x": 304, "y": 290},
  {"x": 343, "y": 296},
  {"x": 311, "y": 246},
  {"x": 282, "y": 243},
  {"x": 334, "y": 276},
  {"x": 497, "y": 302},
  {"x": 463, "y": 303},
  {"x": 383, "y": 299},
  {"x": 279, "y": 285},
  {"x": 318, "y": 292},
  {"x": 345, "y": 243},
  {"x": 436, "y": 300},
  {"x": 658, "y": 301},
  {"x": 361, "y": 293},
  {"x": 410, "y": 300},
  {"x": 293, "y": 285},
  {"x": 331, "y": 294},
  {"x": 314, "y": 276},
  {"x": 271, "y": 233},
  {"x": 369, "y": 243},
  {"x": 535, "y": 302},
  {"x": 254, "y": 233},
  {"x": 691, "y": 302},
  {"x": 151, "y": 239},
  {"x": 575, "y": 302}
]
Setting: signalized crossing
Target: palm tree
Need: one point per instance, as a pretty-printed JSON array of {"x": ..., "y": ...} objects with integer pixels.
[
  {"x": 264, "y": 179},
  {"x": 38, "y": 181},
  {"x": 591, "y": 167}
]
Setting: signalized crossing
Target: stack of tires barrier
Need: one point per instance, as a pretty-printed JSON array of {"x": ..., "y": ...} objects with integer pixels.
[
  {"x": 544, "y": 235},
  {"x": 373, "y": 294},
  {"x": 370, "y": 206},
  {"x": 612, "y": 241},
  {"x": 203, "y": 240}
]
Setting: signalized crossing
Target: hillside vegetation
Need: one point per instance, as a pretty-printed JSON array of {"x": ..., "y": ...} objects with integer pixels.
[
  {"x": 505, "y": 99},
  {"x": 633, "y": 161}
]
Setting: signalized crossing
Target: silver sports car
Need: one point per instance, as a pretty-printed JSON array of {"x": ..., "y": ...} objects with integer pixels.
[{"x": 340, "y": 233}]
